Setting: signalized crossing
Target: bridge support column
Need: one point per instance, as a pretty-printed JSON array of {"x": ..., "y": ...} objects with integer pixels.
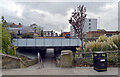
[
  {"x": 42, "y": 53},
  {"x": 57, "y": 52}
]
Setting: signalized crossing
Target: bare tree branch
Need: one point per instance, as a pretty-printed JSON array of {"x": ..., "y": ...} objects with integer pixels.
[{"x": 77, "y": 20}]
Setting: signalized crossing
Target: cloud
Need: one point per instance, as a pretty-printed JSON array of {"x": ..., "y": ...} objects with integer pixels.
[
  {"x": 50, "y": 20},
  {"x": 12, "y": 7},
  {"x": 55, "y": 15},
  {"x": 109, "y": 16}
]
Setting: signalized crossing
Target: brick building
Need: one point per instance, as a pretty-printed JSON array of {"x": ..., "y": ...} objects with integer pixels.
[
  {"x": 14, "y": 28},
  {"x": 100, "y": 33},
  {"x": 90, "y": 25},
  {"x": 66, "y": 34}
]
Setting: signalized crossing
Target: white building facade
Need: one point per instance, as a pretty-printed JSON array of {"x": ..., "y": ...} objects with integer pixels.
[
  {"x": 119, "y": 27},
  {"x": 36, "y": 28},
  {"x": 49, "y": 33},
  {"x": 90, "y": 25}
]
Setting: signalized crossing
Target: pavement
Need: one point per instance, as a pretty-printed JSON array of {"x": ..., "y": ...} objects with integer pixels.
[
  {"x": 60, "y": 71},
  {"x": 51, "y": 69}
]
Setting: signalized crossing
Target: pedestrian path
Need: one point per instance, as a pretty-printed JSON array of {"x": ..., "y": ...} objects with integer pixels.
[
  {"x": 51, "y": 69},
  {"x": 49, "y": 61},
  {"x": 60, "y": 71}
]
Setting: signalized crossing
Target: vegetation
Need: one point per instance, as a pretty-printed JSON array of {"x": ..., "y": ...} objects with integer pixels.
[
  {"x": 7, "y": 47},
  {"x": 0, "y": 38},
  {"x": 13, "y": 35},
  {"x": 103, "y": 43},
  {"x": 27, "y": 35},
  {"x": 42, "y": 33}
]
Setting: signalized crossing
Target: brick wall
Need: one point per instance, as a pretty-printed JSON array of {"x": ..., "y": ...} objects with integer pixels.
[{"x": 98, "y": 33}]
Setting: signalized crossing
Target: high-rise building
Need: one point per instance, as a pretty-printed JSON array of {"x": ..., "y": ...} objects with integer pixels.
[
  {"x": 119, "y": 27},
  {"x": 90, "y": 25}
]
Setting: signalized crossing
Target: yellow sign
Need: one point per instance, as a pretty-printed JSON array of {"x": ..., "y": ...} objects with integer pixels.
[{"x": 95, "y": 54}]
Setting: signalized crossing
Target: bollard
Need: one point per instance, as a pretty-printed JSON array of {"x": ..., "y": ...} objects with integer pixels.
[
  {"x": 14, "y": 50},
  {"x": 40, "y": 61},
  {"x": 38, "y": 57}
]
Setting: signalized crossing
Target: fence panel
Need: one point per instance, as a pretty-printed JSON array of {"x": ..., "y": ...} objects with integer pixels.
[{"x": 112, "y": 58}]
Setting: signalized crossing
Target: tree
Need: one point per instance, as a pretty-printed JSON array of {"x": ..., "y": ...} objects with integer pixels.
[
  {"x": 6, "y": 38},
  {"x": 13, "y": 35},
  {"x": 27, "y": 35},
  {"x": 42, "y": 33},
  {"x": 77, "y": 21}
]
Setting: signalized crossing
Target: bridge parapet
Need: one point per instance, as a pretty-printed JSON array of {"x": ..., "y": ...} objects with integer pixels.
[{"x": 46, "y": 42}]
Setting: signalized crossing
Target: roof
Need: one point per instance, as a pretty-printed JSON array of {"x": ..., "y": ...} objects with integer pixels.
[
  {"x": 65, "y": 32},
  {"x": 104, "y": 32}
]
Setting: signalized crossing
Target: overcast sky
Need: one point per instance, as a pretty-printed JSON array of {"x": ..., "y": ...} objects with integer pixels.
[{"x": 55, "y": 15}]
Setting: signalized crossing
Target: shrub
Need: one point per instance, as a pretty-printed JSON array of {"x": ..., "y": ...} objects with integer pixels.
[
  {"x": 13, "y": 35},
  {"x": 27, "y": 35},
  {"x": 102, "y": 38},
  {"x": 5, "y": 36},
  {"x": 116, "y": 40},
  {"x": 103, "y": 43}
]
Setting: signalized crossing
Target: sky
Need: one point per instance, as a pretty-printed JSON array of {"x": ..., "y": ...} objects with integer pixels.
[{"x": 55, "y": 15}]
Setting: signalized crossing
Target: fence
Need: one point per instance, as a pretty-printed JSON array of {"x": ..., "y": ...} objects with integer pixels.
[{"x": 113, "y": 58}]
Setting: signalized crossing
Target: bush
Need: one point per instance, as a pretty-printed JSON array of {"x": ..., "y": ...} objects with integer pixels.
[
  {"x": 103, "y": 43},
  {"x": 27, "y": 35},
  {"x": 5, "y": 36},
  {"x": 13, "y": 35}
]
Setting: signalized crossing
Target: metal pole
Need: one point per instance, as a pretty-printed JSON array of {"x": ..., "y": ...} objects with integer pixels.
[
  {"x": 38, "y": 61},
  {"x": 14, "y": 50}
]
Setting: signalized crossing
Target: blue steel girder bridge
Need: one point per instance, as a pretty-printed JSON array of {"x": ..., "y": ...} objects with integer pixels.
[{"x": 43, "y": 43}]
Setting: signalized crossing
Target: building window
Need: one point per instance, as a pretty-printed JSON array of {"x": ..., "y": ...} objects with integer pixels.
[
  {"x": 108, "y": 35},
  {"x": 89, "y": 27},
  {"x": 89, "y": 20},
  {"x": 89, "y": 23}
]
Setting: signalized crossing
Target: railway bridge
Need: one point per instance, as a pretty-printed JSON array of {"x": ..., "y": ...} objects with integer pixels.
[{"x": 42, "y": 44}]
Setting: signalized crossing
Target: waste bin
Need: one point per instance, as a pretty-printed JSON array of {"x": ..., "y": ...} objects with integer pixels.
[
  {"x": 100, "y": 61},
  {"x": 66, "y": 58}
]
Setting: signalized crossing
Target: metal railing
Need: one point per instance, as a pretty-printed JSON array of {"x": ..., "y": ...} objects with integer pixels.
[
  {"x": 47, "y": 42},
  {"x": 113, "y": 57}
]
